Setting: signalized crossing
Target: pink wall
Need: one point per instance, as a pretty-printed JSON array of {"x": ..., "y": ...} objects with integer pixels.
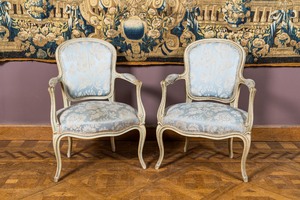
[{"x": 24, "y": 98}]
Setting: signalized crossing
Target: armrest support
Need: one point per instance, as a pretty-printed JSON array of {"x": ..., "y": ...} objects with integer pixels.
[
  {"x": 169, "y": 80},
  {"x": 252, "y": 90},
  {"x": 132, "y": 79},
  {"x": 53, "y": 117}
]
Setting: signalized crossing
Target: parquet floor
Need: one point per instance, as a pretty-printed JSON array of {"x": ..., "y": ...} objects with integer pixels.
[{"x": 204, "y": 172}]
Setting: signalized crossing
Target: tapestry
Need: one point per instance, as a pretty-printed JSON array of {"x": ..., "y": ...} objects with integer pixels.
[{"x": 152, "y": 31}]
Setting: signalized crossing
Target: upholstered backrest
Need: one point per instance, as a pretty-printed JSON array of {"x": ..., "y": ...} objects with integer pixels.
[
  {"x": 86, "y": 66},
  {"x": 213, "y": 66}
]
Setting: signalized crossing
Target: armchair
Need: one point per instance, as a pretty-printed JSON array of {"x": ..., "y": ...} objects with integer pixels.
[
  {"x": 87, "y": 73},
  {"x": 213, "y": 78}
]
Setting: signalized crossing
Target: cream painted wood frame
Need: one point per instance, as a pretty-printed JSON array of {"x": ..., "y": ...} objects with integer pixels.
[
  {"x": 67, "y": 100},
  {"x": 232, "y": 101}
]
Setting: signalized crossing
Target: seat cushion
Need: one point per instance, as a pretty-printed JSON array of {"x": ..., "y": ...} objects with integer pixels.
[
  {"x": 96, "y": 116},
  {"x": 208, "y": 117}
]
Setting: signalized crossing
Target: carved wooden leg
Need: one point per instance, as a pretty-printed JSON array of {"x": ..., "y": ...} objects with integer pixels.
[
  {"x": 159, "y": 137},
  {"x": 230, "y": 147},
  {"x": 112, "y": 143},
  {"x": 142, "y": 131},
  {"x": 70, "y": 145},
  {"x": 56, "y": 147},
  {"x": 247, "y": 143}
]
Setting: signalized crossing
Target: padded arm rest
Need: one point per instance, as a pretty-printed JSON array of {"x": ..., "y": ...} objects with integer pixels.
[
  {"x": 169, "y": 80},
  {"x": 132, "y": 79},
  {"x": 53, "y": 82},
  {"x": 54, "y": 121},
  {"x": 249, "y": 83},
  {"x": 252, "y": 90},
  {"x": 172, "y": 78},
  {"x": 128, "y": 77}
]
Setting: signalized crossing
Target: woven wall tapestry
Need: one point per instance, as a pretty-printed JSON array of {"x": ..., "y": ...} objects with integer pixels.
[{"x": 151, "y": 31}]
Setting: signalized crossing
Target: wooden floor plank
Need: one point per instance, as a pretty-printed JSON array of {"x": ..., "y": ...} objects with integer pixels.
[
  {"x": 94, "y": 172},
  {"x": 286, "y": 133}
]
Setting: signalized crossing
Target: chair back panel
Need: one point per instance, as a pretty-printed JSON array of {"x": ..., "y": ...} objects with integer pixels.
[
  {"x": 86, "y": 67},
  {"x": 213, "y": 67}
]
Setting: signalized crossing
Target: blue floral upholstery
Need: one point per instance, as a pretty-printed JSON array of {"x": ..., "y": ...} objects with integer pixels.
[
  {"x": 208, "y": 60},
  {"x": 96, "y": 116},
  {"x": 89, "y": 62},
  {"x": 213, "y": 75},
  {"x": 87, "y": 74},
  {"x": 206, "y": 117}
]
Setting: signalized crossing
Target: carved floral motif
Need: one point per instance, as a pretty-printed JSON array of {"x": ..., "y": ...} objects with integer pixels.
[
  {"x": 138, "y": 27},
  {"x": 236, "y": 12},
  {"x": 148, "y": 30},
  {"x": 38, "y": 9}
]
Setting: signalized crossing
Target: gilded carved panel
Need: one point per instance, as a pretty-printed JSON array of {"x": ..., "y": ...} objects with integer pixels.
[{"x": 151, "y": 31}]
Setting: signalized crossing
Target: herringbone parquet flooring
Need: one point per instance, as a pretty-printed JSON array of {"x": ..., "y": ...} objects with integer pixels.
[{"x": 204, "y": 172}]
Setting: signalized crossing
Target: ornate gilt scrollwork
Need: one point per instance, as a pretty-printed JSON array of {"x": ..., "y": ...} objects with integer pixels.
[
  {"x": 4, "y": 33},
  {"x": 150, "y": 30},
  {"x": 137, "y": 27},
  {"x": 38, "y": 9},
  {"x": 236, "y": 12}
]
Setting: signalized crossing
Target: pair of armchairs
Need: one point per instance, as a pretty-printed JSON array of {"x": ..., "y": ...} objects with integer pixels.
[{"x": 213, "y": 77}]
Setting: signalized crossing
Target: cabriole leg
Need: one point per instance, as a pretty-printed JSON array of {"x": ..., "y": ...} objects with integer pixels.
[
  {"x": 70, "y": 145},
  {"x": 56, "y": 147},
  {"x": 112, "y": 143},
  {"x": 230, "y": 147},
  {"x": 247, "y": 143},
  {"x": 142, "y": 131},
  {"x": 186, "y": 144},
  {"x": 159, "y": 137}
]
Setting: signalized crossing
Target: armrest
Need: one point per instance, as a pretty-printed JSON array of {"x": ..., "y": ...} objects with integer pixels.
[
  {"x": 252, "y": 90},
  {"x": 249, "y": 83},
  {"x": 132, "y": 79},
  {"x": 172, "y": 78},
  {"x": 53, "y": 82},
  {"x": 53, "y": 117},
  {"x": 169, "y": 80},
  {"x": 128, "y": 77}
]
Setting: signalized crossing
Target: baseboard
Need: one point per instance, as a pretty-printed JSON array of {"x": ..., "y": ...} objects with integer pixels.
[{"x": 44, "y": 132}]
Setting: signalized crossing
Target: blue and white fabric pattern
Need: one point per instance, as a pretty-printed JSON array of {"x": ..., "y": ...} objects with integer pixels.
[
  {"x": 208, "y": 117},
  {"x": 96, "y": 116},
  {"x": 213, "y": 69},
  {"x": 86, "y": 68}
]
